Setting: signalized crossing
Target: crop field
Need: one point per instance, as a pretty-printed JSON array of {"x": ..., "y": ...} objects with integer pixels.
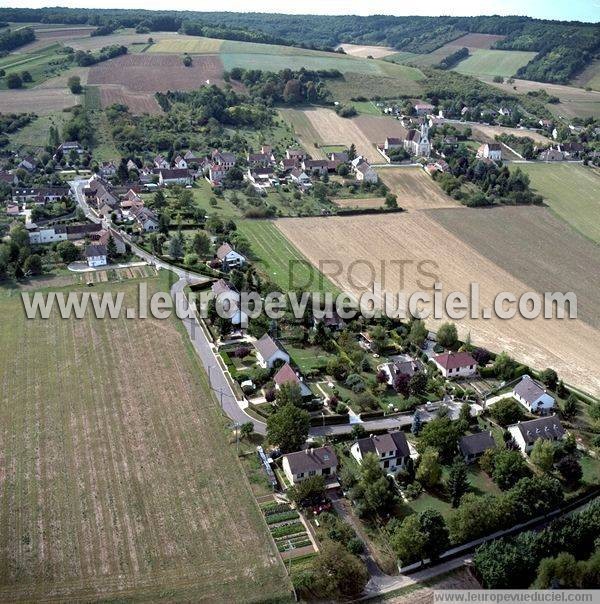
[
  {"x": 157, "y": 73},
  {"x": 489, "y": 133},
  {"x": 283, "y": 263},
  {"x": 39, "y": 100},
  {"x": 415, "y": 189},
  {"x": 505, "y": 249},
  {"x": 572, "y": 191},
  {"x": 122, "y": 37},
  {"x": 365, "y": 202},
  {"x": 357, "y": 50},
  {"x": 63, "y": 35},
  {"x": 41, "y": 65},
  {"x": 377, "y": 128},
  {"x": 113, "y": 487},
  {"x": 482, "y": 41},
  {"x": 482, "y": 62},
  {"x": 189, "y": 44},
  {"x": 138, "y": 102}
]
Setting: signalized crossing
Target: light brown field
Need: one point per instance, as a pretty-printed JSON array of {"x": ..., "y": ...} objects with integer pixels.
[
  {"x": 157, "y": 73},
  {"x": 38, "y": 100},
  {"x": 415, "y": 189},
  {"x": 46, "y": 37},
  {"x": 367, "y": 202},
  {"x": 126, "y": 38},
  {"x": 378, "y": 128},
  {"x": 61, "y": 80},
  {"x": 377, "y": 52},
  {"x": 116, "y": 479},
  {"x": 570, "y": 347},
  {"x": 490, "y": 132},
  {"x": 138, "y": 102}
]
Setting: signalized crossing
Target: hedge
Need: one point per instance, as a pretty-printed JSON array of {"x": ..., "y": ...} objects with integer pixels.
[
  {"x": 329, "y": 420},
  {"x": 372, "y": 414}
]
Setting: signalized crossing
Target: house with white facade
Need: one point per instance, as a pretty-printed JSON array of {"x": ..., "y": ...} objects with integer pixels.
[
  {"x": 533, "y": 396},
  {"x": 365, "y": 173},
  {"x": 391, "y": 449},
  {"x": 96, "y": 255},
  {"x": 287, "y": 375},
  {"x": 229, "y": 257},
  {"x": 525, "y": 434},
  {"x": 269, "y": 351},
  {"x": 308, "y": 463},
  {"x": 456, "y": 364},
  {"x": 491, "y": 151}
]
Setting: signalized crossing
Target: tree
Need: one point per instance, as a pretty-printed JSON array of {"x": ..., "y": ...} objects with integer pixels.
[
  {"x": 292, "y": 92},
  {"x": 570, "y": 469},
  {"x": 391, "y": 200},
  {"x": 418, "y": 332},
  {"x": 159, "y": 200},
  {"x": 550, "y": 378},
  {"x": 506, "y": 411},
  {"x": 13, "y": 80},
  {"x": 74, "y": 84},
  {"x": 504, "y": 366},
  {"x": 416, "y": 423},
  {"x": 352, "y": 152},
  {"x": 433, "y": 526},
  {"x": 407, "y": 540},
  {"x": 509, "y": 468},
  {"x": 33, "y": 265},
  {"x": 337, "y": 573},
  {"x": 373, "y": 492},
  {"x": 542, "y": 454},
  {"x": 289, "y": 394},
  {"x": 201, "y": 244},
  {"x": 288, "y": 428},
  {"x": 429, "y": 470},
  {"x": 562, "y": 572},
  {"x": 447, "y": 335},
  {"x": 465, "y": 413},
  {"x": 571, "y": 407},
  {"x": 68, "y": 251},
  {"x": 187, "y": 61},
  {"x": 246, "y": 429},
  {"x": 417, "y": 384},
  {"x": 111, "y": 248},
  {"x": 457, "y": 484},
  {"x": 176, "y": 246},
  {"x": 308, "y": 489},
  {"x": 441, "y": 434},
  {"x": 401, "y": 383}
]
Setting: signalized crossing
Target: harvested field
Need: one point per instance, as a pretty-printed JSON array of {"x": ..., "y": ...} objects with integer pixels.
[
  {"x": 157, "y": 73},
  {"x": 520, "y": 250},
  {"x": 62, "y": 80},
  {"x": 367, "y": 202},
  {"x": 114, "y": 488},
  {"x": 590, "y": 76},
  {"x": 137, "y": 102},
  {"x": 378, "y": 128},
  {"x": 415, "y": 189},
  {"x": 39, "y": 100},
  {"x": 482, "y": 62},
  {"x": 124, "y": 38},
  {"x": 489, "y": 133},
  {"x": 325, "y": 127},
  {"x": 377, "y": 52},
  {"x": 485, "y": 41},
  {"x": 189, "y": 44}
]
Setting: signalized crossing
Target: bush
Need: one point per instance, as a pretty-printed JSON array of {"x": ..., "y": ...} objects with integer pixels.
[{"x": 355, "y": 546}]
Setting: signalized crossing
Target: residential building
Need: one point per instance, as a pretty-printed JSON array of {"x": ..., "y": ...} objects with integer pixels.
[
  {"x": 526, "y": 433},
  {"x": 286, "y": 375},
  {"x": 107, "y": 169},
  {"x": 456, "y": 364},
  {"x": 269, "y": 351},
  {"x": 9, "y": 179},
  {"x": 40, "y": 195},
  {"x": 551, "y": 154},
  {"x": 423, "y": 108},
  {"x": 391, "y": 449},
  {"x": 491, "y": 151},
  {"x": 103, "y": 236},
  {"x": 180, "y": 163},
  {"x": 296, "y": 154},
  {"x": 223, "y": 159},
  {"x": 96, "y": 255},
  {"x": 68, "y": 147},
  {"x": 229, "y": 298},
  {"x": 28, "y": 163},
  {"x": 145, "y": 218},
  {"x": 174, "y": 177},
  {"x": 260, "y": 176},
  {"x": 404, "y": 366},
  {"x": 533, "y": 396},
  {"x": 160, "y": 163},
  {"x": 50, "y": 234},
  {"x": 312, "y": 462},
  {"x": 216, "y": 174},
  {"x": 300, "y": 177},
  {"x": 315, "y": 166},
  {"x": 365, "y": 173},
  {"x": 473, "y": 446},
  {"x": 229, "y": 257}
]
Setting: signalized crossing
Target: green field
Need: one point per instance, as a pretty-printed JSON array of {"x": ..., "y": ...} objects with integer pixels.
[
  {"x": 483, "y": 62},
  {"x": 189, "y": 45},
  {"x": 280, "y": 260},
  {"x": 572, "y": 191},
  {"x": 35, "y": 134},
  {"x": 41, "y": 64},
  {"x": 115, "y": 487}
]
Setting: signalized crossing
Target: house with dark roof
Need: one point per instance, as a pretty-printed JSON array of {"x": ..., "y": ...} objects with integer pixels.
[
  {"x": 296, "y": 154},
  {"x": 228, "y": 299},
  {"x": 473, "y": 446},
  {"x": 391, "y": 450},
  {"x": 456, "y": 364},
  {"x": 403, "y": 366},
  {"x": 525, "y": 434},
  {"x": 176, "y": 176},
  {"x": 96, "y": 255},
  {"x": 533, "y": 396},
  {"x": 315, "y": 166},
  {"x": 286, "y": 375},
  {"x": 269, "y": 351},
  {"x": 312, "y": 462}
]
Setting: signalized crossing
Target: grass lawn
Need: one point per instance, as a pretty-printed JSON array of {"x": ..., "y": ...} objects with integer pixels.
[
  {"x": 591, "y": 469},
  {"x": 572, "y": 191},
  {"x": 426, "y": 501},
  {"x": 484, "y": 62},
  {"x": 35, "y": 134},
  {"x": 113, "y": 487},
  {"x": 366, "y": 107},
  {"x": 308, "y": 358},
  {"x": 104, "y": 146},
  {"x": 280, "y": 260}
]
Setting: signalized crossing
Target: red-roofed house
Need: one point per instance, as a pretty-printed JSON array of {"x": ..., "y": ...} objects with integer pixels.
[
  {"x": 286, "y": 375},
  {"x": 456, "y": 364}
]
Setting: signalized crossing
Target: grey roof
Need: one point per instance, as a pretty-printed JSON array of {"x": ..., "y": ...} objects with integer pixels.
[
  {"x": 95, "y": 250},
  {"x": 474, "y": 444},
  {"x": 543, "y": 427},
  {"x": 528, "y": 389},
  {"x": 267, "y": 346},
  {"x": 83, "y": 229},
  {"x": 312, "y": 459},
  {"x": 384, "y": 443},
  {"x": 221, "y": 286}
]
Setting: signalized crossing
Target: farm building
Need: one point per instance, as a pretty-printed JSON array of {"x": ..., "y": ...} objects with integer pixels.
[{"x": 312, "y": 462}]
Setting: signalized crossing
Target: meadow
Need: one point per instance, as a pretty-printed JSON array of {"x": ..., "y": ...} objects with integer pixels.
[
  {"x": 116, "y": 478},
  {"x": 572, "y": 191},
  {"x": 484, "y": 62}
]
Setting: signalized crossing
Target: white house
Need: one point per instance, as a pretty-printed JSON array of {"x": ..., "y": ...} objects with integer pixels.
[
  {"x": 96, "y": 255},
  {"x": 533, "y": 396},
  {"x": 161, "y": 163},
  {"x": 268, "y": 351},
  {"x": 456, "y": 364},
  {"x": 391, "y": 449},
  {"x": 286, "y": 375},
  {"x": 403, "y": 366},
  {"x": 299, "y": 177},
  {"x": 365, "y": 173},
  {"x": 526, "y": 433},
  {"x": 312, "y": 462},
  {"x": 228, "y": 256},
  {"x": 174, "y": 177},
  {"x": 491, "y": 151},
  {"x": 229, "y": 299},
  {"x": 50, "y": 234},
  {"x": 180, "y": 163}
]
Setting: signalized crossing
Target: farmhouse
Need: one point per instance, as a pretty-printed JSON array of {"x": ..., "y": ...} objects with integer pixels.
[
  {"x": 96, "y": 255},
  {"x": 260, "y": 176},
  {"x": 286, "y": 375},
  {"x": 365, "y": 173},
  {"x": 263, "y": 159},
  {"x": 551, "y": 154},
  {"x": 180, "y": 163},
  {"x": 391, "y": 449},
  {"x": 315, "y": 166},
  {"x": 28, "y": 163},
  {"x": 145, "y": 218},
  {"x": 296, "y": 154},
  {"x": 491, "y": 151},
  {"x": 533, "y": 396},
  {"x": 223, "y": 159},
  {"x": 423, "y": 108},
  {"x": 103, "y": 236},
  {"x": 269, "y": 351},
  {"x": 312, "y": 462},
  {"x": 161, "y": 163},
  {"x": 473, "y": 446},
  {"x": 174, "y": 177},
  {"x": 229, "y": 257},
  {"x": 571, "y": 150},
  {"x": 107, "y": 169},
  {"x": 300, "y": 177},
  {"x": 526, "y": 433},
  {"x": 456, "y": 364}
]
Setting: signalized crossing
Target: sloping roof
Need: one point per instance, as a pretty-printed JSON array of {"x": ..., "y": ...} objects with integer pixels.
[
  {"x": 175, "y": 173},
  {"x": 528, "y": 389},
  {"x": 95, "y": 250},
  {"x": 267, "y": 346},
  {"x": 83, "y": 229},
  {"x": 286, "y": 375},
  {"x": 223, "y": 250},
  {"x": 221, "y": 286},
  {"x": 312, "y": 459},
  {"x": 543, "y": 427},
  {"x": 385, "y": 443},
  {"x": 475, "y": 444},
  {"x": 454, "y": 360}
]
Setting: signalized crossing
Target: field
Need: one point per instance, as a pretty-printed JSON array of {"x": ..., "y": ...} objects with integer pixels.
[
  {"x": 39, "y": 100},
  {"x": 287, "y": 267},
  {"x": 505, "y": 249},
  {"x": 474, "y": 41},
  {"x": 58, "y": 34},
  {"x": 482, "y": 62},
  {"x": 488, "y": 133},
  {"x": 138, "y": 102},
  {"x": 35, "y": 134},
  {"x": 367, "y": 202},
  {"x": 376, "y": 129},
  {"x": 572, "y": 191},
  {"x": 415, "y": 189},
  {"x": 41, "y": 65},
  {"x": 357, "y": 50},
  {"x": 115, "y": 486},
  {"x": 590, "y": 76},
  {"x": 189, "y": 44},
  {"x": 125, "y": 38}
]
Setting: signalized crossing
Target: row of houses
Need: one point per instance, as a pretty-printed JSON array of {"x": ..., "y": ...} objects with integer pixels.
[{"x": 562, "y": 152}]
